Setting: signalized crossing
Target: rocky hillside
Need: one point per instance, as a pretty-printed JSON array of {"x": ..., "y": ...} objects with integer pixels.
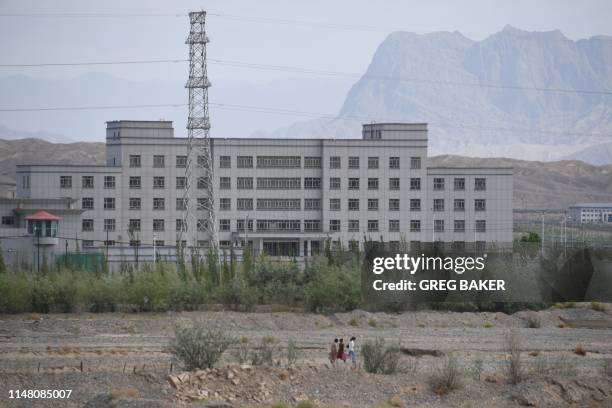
[
  {"x": 536, "y": 184},
  {"x": 453, "y": 83}
]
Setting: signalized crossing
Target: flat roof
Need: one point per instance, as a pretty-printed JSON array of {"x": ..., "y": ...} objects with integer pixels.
[{"x": 592, "y": 205}]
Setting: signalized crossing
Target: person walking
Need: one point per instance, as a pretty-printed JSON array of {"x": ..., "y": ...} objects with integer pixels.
[
  {"x": 333, "y": 354},
  {"x": 341, "y": 353},
  {"x": 351, "y": 352}
]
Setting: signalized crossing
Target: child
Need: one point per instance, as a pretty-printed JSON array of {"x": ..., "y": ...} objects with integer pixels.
[
  {"x": 351, "y": 352},
  {"x": 333, "y": 354}
]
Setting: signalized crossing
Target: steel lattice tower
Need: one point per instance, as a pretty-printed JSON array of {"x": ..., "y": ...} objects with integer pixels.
[{"x": 199, "y": 155}]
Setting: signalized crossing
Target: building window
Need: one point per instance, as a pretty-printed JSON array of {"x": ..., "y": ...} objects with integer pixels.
[
  {"x": 481, "y": 225},
  {"x": 459, "y": 184},
  {"x": 159, "y": 203},
  {"x": 225, "y": 162},
  {"x": 312, "y": 183},
  {"x": 353, "y": 162},
  {"x": 109, "y": 203},
  {"x": 438, "y": 184},
  {"x": 88, "y": 243},
  {"x": 278, "y": 225},
  {"x": 159, "y": 161},
  {"x": 225, "y": 204},
  {"x": 8, "y": 220},
  {"x": 65, "y": 181},
  {"x": 160, "y": 242},
  {"x": 459, "y": 204},
  {"x": 458, "y": 245},
  {"x": 394, "y": 184},
  {"x": 439, "y": 225},
  {"x": 87, "y": 203},
  {"x": 87, "y": 225},
  {"x": 353, "y": 183},
  {"x": 480, "y": 184},
  {"x": 134, "y": 182},
  {"x": 394, "y": 162},
  {"x": 334, "y": 225},
  {"x": 134, "y": 225},
  {"x": 180, "y": 225},
  {"x": 279, "y": 162},
  {"x": 415, "y": 184},
  {"x": 438, "y": 204},
  {"x": 312, "y": 204},
  {"x": 134, "y": 160},
  {"x": 181, "y": 182},
  {"x": 279, "y": 204},
  {"x": 134, "y": 203},
  {"x": 334, "y": 162},
  {"x": 312, "y": 162},
  {"x": 372, "y": 162},
  {"x": 244, "y": 162},
  {"x": 109, "y": 182},
  {"x": 415, "y": 225},
  {"x": 87, "y": 182},
  {"x": 159, "y": 225},
  {"x": 353, "y": 225},
  {"x": 203, "y": 204},
  {"x": 372, "y": 204},
  {"x": 480, "y": 245},
  {"x": 245, "y": 204},
  {"x": 159, "y": 182},
  {"x": 480, "y": 204},
  {"x": 134, "y": 242},
  {"x": 334, "y": 204},
  {"x": 312, "y": 225},
  {"x": 415, "y": 204},
  {"x": 181, "y": 204},
  {"x": 109, "y": 224},
  {"x": 240, "y": 225},
  {"x": 202, "y": 183},
  {"x": 372, "y": 225},
  {"x": 279, "y": 183},
  {"x": 225, "y": 183},
  {"x": 394, "y": 204},
  {"x": 202, "y": 162},
  {"x": 25, "y": 182},
  {"x": 459, "y": 225},
  {"x": 372, "y": 184},
  {"x": 394, "y": 225},
  {"x": 202, "y": 225},
  {"x": 415, "y": 163},
  {"x": 353, "y": 204},
  {"x": 244, "y": 183},
  {"x": 181, "y": 162},
  {"x": 334, "y": 183},
  {"x": 224, "y": 225}
]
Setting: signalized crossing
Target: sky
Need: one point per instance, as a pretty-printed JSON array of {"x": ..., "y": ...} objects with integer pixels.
[
  {"x": 344, "y": 35},
  {"x": 331, "y": 35}
]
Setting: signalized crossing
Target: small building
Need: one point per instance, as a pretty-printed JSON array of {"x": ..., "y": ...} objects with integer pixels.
[{"x": 591, "y": 213}]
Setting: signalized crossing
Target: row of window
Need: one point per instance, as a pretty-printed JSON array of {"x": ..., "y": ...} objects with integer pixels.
[
  {"x": 480, "y": 184},
  {"x": 295, "y": 204},
  {"x": 285, "y": 225},
  {"x": 135, "y": 203}
]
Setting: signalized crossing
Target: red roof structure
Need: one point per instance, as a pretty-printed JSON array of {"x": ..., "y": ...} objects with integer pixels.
[{"x": 42, "y": 216}]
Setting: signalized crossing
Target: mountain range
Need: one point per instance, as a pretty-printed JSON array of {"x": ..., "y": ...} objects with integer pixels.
[{"x": 530, "y": 95}]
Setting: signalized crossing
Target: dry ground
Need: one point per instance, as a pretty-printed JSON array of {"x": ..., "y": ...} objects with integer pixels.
[{"x": 125, "y": 363}]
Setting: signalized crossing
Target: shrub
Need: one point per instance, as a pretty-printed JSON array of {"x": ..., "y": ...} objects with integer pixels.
[
  {"x": 477, "y": 368},
  {"x": 265, "y": 352},
  {"x": 200, "y": 346},
  {"x": 514, "y": 365},
  {"x": 599, "y": 307},
  {"x": 533, "y": 322},
  {"x": 372, "y": 323},
  {"x": 446, "y": 378},
  {"x": 291, "y": 352},
  {"x": 580, "y": 350},
  {"x": 354, "y": 322},
  {"x": 306, "y": 404},
  {"x": 380, "y": 358},
  {"x": 607, "y": 367},
  {"x": 242, "y": 350}
]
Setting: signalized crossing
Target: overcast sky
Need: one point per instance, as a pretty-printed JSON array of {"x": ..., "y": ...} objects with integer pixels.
[{"x": 244, "y": 33}]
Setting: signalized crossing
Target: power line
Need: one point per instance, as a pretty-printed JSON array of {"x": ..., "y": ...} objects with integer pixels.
[
  {"x": 305, "y": 70},
  {"x": 298, "y": 113}
]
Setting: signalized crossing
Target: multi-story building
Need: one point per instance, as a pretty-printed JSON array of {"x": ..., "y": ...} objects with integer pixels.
[
  {"x": 591, "y": 213},
  {"x": 286, "y": 196}
]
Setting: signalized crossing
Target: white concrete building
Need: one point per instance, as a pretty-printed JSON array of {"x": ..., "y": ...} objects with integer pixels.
[
  {"x": 591, "y": 213},
  {"x": 285, "y": 195}
]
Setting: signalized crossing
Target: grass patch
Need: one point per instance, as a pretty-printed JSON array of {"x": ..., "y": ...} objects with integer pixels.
[
  {"x": 599, "y": 307},
  {"x": 447, "y": 377},
  {"x": 354, "y": 322},
  {"x": 580, "y": 350},
  {"x": 487, "y": 325},
  {"x": 514, "y": 363},
  {"x": 380, "y": 357},
  {"x": 200, "y": 346},
  {"x": 533, "y": 322},
  {"x": 372, "y": 323}
]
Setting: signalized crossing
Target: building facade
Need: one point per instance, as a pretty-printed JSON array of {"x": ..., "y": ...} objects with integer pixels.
[
  {"x": 591, "y": 213},
  {"x": 285, "y": 196}
]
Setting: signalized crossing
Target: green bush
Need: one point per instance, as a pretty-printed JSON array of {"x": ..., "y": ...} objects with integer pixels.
[
  {"x": 332, "y": 287},
  {"x": 200, "y": 346},
  {"x": 448, "y": 377},
  {"x": 380, "y": 358}
]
